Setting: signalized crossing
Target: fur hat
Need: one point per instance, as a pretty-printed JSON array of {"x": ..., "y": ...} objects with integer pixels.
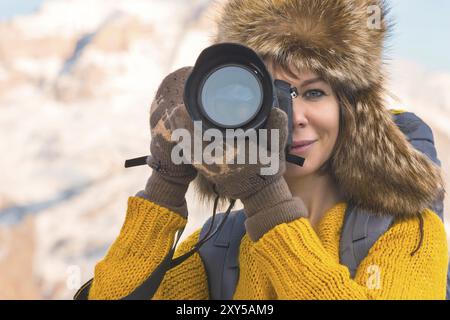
[{"x": 376, "y": 168}]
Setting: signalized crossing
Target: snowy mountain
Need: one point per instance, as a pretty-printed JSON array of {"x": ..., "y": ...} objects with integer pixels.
[{"x": 76, "y": 82}]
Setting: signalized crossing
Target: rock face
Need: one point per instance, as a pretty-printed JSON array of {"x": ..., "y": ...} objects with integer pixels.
[{"x": 76, "y": 82}]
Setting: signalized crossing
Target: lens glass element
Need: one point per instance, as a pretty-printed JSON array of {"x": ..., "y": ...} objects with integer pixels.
[{"x": 231, "y": 96}]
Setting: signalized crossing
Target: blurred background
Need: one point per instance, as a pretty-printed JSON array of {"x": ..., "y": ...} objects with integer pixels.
[{"x": 76, "y": 81}]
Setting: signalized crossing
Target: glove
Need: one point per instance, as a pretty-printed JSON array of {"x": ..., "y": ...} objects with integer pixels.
[
  {"x": 168, "y": 182},
  {"x": 267, "y": 199}
]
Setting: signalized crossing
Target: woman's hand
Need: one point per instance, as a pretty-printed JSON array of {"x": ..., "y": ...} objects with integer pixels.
[
  {"x": 239, "y": 180},
  {"x": 169, "y": 182},
  {"x": 266, "y": 197}
]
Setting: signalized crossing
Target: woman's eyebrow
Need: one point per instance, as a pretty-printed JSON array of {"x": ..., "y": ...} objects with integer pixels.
[{"x": 309, "y": 81}]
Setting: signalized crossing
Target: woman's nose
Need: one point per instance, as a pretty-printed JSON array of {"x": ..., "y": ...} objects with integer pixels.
[{"x": 299, "y": 117}]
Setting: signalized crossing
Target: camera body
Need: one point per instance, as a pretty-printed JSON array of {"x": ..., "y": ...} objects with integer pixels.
[{"x": 231, "y": 88}]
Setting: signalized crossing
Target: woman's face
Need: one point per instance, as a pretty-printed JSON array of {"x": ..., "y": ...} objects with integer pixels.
[{"x": 315, "y": 121}]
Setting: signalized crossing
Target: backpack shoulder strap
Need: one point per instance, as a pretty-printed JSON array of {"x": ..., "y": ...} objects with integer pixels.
[
  {"x": 420, "y": 135},
  {"x": 359, "y": 233},
  {"x": 361, "y": 229},
  {"x": 220, "y": 254}
]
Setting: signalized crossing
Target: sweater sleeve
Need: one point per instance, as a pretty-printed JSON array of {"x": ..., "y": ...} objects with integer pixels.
[
  {"x": 145, "y": 238},
  {"x": 300, "y": 268}
]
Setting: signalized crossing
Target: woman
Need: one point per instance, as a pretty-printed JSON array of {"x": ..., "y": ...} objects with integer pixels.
[{"x": 355, "y": 152}]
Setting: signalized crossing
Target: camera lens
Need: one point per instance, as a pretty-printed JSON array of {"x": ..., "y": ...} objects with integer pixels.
[
  {"x": 231, "y": 96},
  {"x": 229, "y": 88}
]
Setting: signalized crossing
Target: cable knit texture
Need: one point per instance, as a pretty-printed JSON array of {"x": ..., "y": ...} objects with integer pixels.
[{"x": 290, "y": 261}]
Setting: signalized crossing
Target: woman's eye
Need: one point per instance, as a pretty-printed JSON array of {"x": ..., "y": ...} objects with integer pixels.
[{"x": 314, "y": 94}]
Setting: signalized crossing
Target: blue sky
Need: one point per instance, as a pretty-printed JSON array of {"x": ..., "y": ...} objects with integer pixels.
[
  {"x": 422, "y": 32},
  {"x": 10, "y": 8}
]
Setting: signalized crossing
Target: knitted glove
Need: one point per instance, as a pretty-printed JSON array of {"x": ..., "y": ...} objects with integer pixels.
[
  {"x": 168, "y": 182},
  {"x": 267, "y": 199}
]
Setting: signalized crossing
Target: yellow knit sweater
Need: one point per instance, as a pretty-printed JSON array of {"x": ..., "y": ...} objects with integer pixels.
[{"x": 291, "y": 261}]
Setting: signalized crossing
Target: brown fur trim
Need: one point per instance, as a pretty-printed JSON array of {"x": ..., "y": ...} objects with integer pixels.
[
  {"x": 378, "y": 168},
  {"x": 334, "y": 38}
]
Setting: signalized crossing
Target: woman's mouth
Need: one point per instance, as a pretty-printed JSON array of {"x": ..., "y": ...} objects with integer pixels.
[{"x": 302, "y": 145}]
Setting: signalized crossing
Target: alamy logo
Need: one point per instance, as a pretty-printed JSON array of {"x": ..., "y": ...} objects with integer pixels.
[
  {"x": 374, "y": 19},
  {"x": 236, "y": 147},
  {"x": 374, "y": 279}
]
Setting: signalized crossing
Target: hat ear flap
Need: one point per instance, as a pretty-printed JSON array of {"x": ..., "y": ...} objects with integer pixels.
[{"x": 378, "y": 168}]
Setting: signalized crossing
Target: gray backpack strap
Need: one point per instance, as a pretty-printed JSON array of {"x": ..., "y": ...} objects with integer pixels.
[
  {"x": 421, "y": 137},
  {"x": 220, "y": 254},
  {"x": 361, "y": 229}
]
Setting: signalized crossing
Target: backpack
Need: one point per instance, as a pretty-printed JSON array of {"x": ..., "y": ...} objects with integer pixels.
[{"x": 361, "y": 229}]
